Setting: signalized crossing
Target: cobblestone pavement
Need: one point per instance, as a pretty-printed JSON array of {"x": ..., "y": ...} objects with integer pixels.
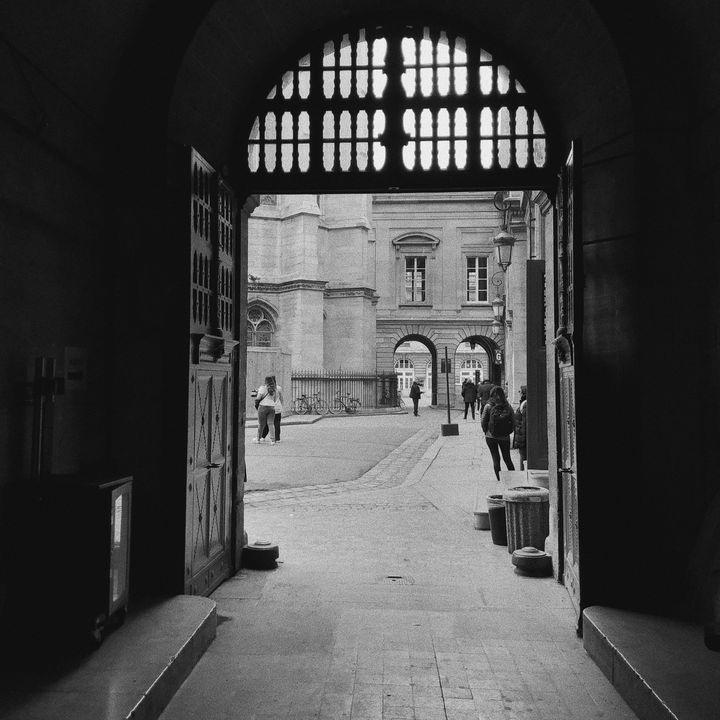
[
  {"x": 387, "y": 604},
  {"x": 388, "y": 472}
]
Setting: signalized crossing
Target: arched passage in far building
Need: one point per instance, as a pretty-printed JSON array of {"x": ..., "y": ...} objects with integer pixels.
[
  {"x": 413, "y": 362},
  {"x": 414, "y": 356},
  {"x": 480, "y": 353}
]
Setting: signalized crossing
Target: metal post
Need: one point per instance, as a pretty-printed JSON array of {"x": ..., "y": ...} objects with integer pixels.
[
  {"x": 447, "y": 384},
  {"x": 450, "y": 428}
]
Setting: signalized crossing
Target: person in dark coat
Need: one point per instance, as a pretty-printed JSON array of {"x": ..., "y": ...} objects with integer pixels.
[
  {"x": 483, "y": 394},
  {"x": 415, "y": 393},
  {"x": 520, "y": 436},
  {"x": 497, "y": 436},
  {"x": 469, "y": 394}
]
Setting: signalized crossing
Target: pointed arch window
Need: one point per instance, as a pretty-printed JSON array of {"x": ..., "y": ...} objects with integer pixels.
[
  {"x": 260, "y": 327},
  {"x": 385, "y": 104}
]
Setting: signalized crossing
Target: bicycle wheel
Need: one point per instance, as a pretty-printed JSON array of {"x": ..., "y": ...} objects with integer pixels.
[
  {"x": 353, "y": 405},
  {"x": 321, "y": 407},
  {"x": 401, "y": 403},
  {"x": 337, "y": 406},
  {"x": 300, "y": 407}
]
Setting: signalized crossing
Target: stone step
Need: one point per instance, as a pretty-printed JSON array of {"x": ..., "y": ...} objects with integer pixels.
[
  {"x": 659, "y": 665},
  {"x": 132, "y": 675}
]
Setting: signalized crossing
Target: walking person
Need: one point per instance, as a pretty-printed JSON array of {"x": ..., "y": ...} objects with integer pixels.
[
  {"x": 469, "y": 394},
  {"x": 483, "y": 394},
  {"x": 520, "y": 436},
  {"x": 498, "y": 423},
  {"x": 415, "y": 393},
  {"x": 265, "y": 404},
  {"x": 278, "y": 413}
]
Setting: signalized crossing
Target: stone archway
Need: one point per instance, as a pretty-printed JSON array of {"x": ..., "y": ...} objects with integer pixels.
[
  {"x": 608, "y": 129},
  {"x": 494, "y": 353},
  {"x": 388, "y": 341}
]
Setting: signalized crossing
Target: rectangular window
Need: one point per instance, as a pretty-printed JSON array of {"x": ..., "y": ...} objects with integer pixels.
[
  {"x": 477, "y": 279},
  {"x": 415, "y": 279}
]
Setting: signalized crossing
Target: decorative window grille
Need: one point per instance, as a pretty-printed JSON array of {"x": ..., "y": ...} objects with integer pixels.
[
  {"x": 414, "y": 279},
  {"x": 476, "y": 279},
  {"x": 378, "y": 104},
  {"x": 260, "y": 329}
]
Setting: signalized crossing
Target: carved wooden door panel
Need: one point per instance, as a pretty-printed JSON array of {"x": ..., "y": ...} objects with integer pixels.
[
  {"x": 566, "y": 342},
  {"x": 212, "y": 425},
  {"x": 208, "y": 506}
]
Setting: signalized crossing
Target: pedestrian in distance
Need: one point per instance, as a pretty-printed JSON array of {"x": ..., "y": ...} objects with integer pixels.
[
  {"x": 469, "y": 395},
  {"x": 483, "y": 394},
  {"x": 278, "y": 413},
  {"x": 498, "y": 423},
  {"x": 265, "y": 404},
  {"x": 415, "y": 393},
  {"x": 520, "y": 436}
]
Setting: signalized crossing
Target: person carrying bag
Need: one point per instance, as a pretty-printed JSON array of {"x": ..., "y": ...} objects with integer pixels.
[{"x": 265, "y": 404}]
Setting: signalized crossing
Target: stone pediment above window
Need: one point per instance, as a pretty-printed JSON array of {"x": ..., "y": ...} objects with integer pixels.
[{"x": 415, "y": 242}]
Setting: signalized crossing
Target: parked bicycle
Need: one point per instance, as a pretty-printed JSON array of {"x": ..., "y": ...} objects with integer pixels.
[
  {"x": 306, "y": 404},
  {"x": 345, "y": 403}
]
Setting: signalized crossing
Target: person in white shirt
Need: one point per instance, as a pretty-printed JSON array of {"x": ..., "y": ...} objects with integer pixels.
[
  {"x": 265, "y": 403},
  {"x": 278, "y": 413}
]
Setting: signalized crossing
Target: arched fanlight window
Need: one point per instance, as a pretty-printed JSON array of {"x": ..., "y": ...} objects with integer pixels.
[
  {"x": 405, "y": 371},
  {"x": 389, "y": 104},
  {"x": 260, "y": 327}
]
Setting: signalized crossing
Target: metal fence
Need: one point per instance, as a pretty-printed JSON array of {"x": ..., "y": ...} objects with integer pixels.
[{"x": 373, "y": 390}]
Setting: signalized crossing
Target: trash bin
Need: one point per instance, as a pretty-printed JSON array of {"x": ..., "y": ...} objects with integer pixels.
[
  {"x": 527, "y": 517},
  {"x": 496, "y": 513}
]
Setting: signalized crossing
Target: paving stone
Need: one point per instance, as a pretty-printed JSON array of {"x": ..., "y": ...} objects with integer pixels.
[{"x": 327, "y": 619}]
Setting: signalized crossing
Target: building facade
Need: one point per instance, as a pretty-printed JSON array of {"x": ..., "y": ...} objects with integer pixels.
[{"x": 347, "y": 281}]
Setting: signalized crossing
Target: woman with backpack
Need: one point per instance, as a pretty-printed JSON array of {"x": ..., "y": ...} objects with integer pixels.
[{"x": 498, "y": 423}]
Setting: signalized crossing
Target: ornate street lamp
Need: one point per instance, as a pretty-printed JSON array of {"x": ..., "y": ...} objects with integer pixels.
[{"x": 503, "y": 243}]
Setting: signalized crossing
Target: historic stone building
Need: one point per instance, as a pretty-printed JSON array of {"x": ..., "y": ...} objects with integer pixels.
[{"x": 345, "y": 281}]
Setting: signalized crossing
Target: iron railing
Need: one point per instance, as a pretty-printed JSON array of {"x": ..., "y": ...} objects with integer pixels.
[{"x": 373, "y": 390}]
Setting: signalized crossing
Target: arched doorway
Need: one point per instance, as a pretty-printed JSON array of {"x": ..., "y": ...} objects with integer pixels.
[
  {"x": 483, "y": 354},
  {"x": 471, "y": 364},
  {"x": 318, "y": 127},
  {"x": 414, "y": 362},
  {"x": 415, "y": 358},
  {"x": 409, "y": 106}
]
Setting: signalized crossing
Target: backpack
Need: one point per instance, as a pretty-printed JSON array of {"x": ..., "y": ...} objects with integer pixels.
[{"x": 502, "y": 421}]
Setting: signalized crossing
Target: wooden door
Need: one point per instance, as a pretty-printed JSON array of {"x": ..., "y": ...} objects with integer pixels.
[
  {"x": 566, "y": 344},
  {"x": 208, "y": 504},
  {"x": 212, "y": 422}
]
